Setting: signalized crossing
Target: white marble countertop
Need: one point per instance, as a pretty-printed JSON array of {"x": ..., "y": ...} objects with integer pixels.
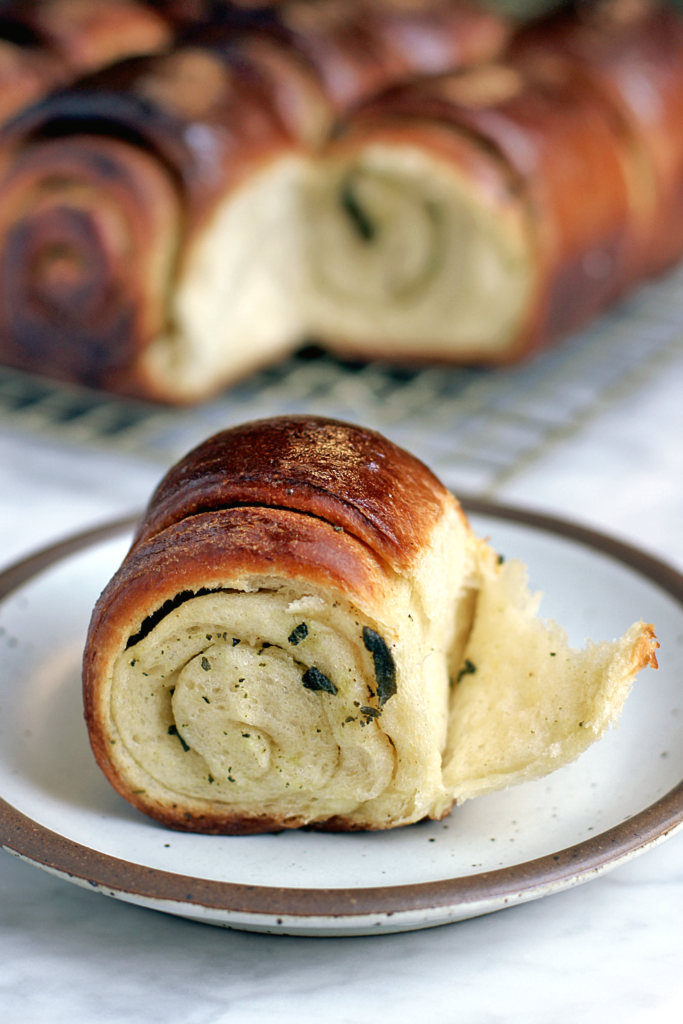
[{"x": 608, "y": 950}]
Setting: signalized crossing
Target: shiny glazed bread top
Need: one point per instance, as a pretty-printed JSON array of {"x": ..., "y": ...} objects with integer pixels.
[{"x": 347, "y": 475}]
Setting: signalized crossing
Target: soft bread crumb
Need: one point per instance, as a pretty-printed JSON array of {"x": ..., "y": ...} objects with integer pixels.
[{"x": 529, "y": 703}]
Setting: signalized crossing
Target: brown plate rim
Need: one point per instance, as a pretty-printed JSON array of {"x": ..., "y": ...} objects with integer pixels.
[{"x": 21, "y": 835}]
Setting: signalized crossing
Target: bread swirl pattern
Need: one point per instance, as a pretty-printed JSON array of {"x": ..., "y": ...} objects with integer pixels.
[
  {"x": 289, "y": 642},
  {"x": 220, "y": 159},
  {"x": 231, "y": 117},
  {"x": 471, "y": 217}
]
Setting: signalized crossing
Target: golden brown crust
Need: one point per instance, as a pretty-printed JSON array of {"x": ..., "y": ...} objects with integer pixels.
[
  {"x": 644, "y": 652},
  {"x": 349, "y": 476},
  {"x": 90, "y": 34},
  {"x": 318, "y": 60},
  {"x": 359, "y": 47},
  {"x": 340, "y": 824},
  {"x": 26, "y": 74},
  {"x": 437, "y": 37},
  {"x": 635, "y": 67},
  {"x": 88, "y": 229}
]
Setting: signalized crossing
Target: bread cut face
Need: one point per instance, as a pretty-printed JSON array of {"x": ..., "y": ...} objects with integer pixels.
[
  {"x": 412, "y": 254},
  {"x": 283, "y": 697},
  {"x": 236, "y": 302},
  {"x": 267, "y": 700}
]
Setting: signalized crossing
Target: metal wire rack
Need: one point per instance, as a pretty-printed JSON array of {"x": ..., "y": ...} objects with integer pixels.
[{"x": 476, "y": 428}]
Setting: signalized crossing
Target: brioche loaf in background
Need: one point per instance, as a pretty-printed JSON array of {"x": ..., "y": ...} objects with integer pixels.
[
  {"x": 150, "y": 237},
  {"x": 306, "y": 631},
  {"x": 476, "y": 216},
  {"x": 375, "y": 175},
  {"x": 136, "y": 211}
]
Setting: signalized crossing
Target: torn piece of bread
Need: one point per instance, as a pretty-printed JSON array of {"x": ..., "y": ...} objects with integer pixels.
[
  {"x": 306, "y": 631},
  {"x": 525, "y": 702}
]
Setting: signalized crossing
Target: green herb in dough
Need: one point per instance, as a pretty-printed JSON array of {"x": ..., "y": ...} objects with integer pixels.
[
  {"x": 385, "y": 668},
  {"x": 370, "y": 712},
  {"x": 298, "y": 634},
  {"x": 314, "y": 679},
  {"x": 467, "y": 670},
  {"x": 356, "y": 214},
  {"x": 173, "y": 731},
  {"x": 206, "y": 664}
]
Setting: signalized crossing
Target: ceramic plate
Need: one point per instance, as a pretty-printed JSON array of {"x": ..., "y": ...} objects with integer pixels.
[{"x": 620, "y": 798}]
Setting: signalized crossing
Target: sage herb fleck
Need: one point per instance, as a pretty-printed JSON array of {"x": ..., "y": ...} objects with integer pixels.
[
  {"x": 385, "y": 668},
  {"x": 468, "y": 669},
  {"x": 364, "y": 227},
  {"x": 298, "y": 634},
  {"x": 370, "y": 712},
  {"x": 173, "y": 731},
  {"x": 314, "y": 679}
]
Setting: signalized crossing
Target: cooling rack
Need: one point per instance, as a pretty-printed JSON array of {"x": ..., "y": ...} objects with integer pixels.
[{"x": 476, "y": 428}]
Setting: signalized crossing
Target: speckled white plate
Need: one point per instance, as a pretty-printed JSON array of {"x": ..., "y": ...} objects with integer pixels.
[{"x": 622, "y": 797}]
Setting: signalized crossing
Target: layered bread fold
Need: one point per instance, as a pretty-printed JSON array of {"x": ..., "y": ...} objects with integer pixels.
[
  {"x": 632, "y": 56},
  {"x": 26, "y": 74},
  {"x": 91, "y": 34},
  {"x": 89, "y": 228},
  {"x": 144, "y": 227},
  {"x": 44, "y": 44},
  {"x": 319, "y": 60},
  {"x": 307, "y": 632},
  {"x": 472, "y": 217}
]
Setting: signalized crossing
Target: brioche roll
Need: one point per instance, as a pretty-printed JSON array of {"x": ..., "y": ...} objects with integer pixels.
[
  {"x": 202, "y": 236},
  {"x": 470, "y": 217},
  {"x": 89, "y": 230},
  {"x": 307, "y": 632}
]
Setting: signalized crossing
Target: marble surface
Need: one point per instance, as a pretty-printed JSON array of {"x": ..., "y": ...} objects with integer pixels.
[{"x": 608, "y": 950}]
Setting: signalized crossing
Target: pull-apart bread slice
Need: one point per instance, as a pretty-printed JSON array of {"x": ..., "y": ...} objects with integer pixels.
[
  {"x": 145, "y": 228},
  {"x": 306, "y": 631},
  {"x": 472, "y": 217}
]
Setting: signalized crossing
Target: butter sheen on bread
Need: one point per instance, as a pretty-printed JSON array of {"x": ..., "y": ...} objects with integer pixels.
[{"x": 306, "y": 631}]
